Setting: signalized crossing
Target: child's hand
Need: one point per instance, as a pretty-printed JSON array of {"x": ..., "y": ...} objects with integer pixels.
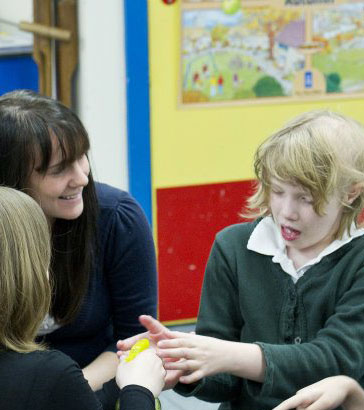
[
  {"x": 327, "y": 394},
  {"x": 201, "y": 355},
  {"x": 146, "y": 370},
  {"x": 156, "y": 331}
]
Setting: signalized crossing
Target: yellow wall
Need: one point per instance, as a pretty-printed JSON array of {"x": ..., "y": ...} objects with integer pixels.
[{"x": 205, "y": 145}]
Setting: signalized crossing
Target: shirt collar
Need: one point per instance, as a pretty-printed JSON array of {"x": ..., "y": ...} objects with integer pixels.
[{"x": 267, "y": 240}]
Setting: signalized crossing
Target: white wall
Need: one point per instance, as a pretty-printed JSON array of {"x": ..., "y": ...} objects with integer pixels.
[
  {"x": 100, "y": 81},
  {"x": 101, "y": 87},
  {"x": 16, "y": 10}
]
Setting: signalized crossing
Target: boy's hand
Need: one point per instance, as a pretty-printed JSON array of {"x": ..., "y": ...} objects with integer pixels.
[
  {"x": 327, "y": 394},
  {"x": 199, "y": 356},
  {"x": 155, "y": 332}
]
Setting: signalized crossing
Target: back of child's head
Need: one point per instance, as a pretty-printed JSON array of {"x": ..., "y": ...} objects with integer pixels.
[
  {"x": 321, "y": 151},
  {"x": 25, "y": 257}
]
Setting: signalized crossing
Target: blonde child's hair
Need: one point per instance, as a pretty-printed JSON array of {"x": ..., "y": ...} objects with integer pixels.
[
  {"x": 25, "y": 292},
  {"x": 321, "y": 151}
]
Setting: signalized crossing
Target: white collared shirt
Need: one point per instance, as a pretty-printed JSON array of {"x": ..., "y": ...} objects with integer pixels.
[{"x": 266, "y": 239}]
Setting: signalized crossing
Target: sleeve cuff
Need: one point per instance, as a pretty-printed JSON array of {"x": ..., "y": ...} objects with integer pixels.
[
  {"x": 265, "y": 388},
  {"x": 188, "y": 390},
  {"x": 111, "y": 348},
  {"x": 136, "y": 397}
]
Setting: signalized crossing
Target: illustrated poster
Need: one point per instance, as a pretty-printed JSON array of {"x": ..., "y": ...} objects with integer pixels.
[{"x": 251, "y": 51}]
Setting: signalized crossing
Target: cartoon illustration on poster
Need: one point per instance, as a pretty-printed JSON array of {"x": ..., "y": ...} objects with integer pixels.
[{"x": 253, "y": 50}]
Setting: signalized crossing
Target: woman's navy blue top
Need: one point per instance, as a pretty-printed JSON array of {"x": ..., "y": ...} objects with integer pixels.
[{"x": 123, "y": 282}]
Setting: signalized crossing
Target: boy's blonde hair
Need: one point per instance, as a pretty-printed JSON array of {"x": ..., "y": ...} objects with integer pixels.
[
  {"x": 24, "y": 260},
  {"x": 321, "y": 151}
]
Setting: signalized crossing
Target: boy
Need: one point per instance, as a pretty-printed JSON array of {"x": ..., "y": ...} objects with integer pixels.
[{"x": 285, "y": 292}]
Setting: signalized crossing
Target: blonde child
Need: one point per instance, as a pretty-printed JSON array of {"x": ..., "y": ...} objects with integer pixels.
[
  {"x": 31, "y": 376},
  {"x": 285, "y": 292}
]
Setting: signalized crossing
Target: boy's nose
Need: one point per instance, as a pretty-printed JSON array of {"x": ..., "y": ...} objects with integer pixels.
[{"x": 289, "y": 210}]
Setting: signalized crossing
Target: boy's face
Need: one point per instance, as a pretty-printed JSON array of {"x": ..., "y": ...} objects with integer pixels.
[{"x": 305, "y": 232}]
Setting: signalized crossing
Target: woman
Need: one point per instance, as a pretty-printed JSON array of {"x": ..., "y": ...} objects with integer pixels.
[
  {"x": 103, "y": 260},
  {"x": 31, "y": 376}
]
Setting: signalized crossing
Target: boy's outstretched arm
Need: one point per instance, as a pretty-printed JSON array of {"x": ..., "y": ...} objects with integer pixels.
[
  {"x": 327, "y": 394},
  {"x": 206, "y": 356}
]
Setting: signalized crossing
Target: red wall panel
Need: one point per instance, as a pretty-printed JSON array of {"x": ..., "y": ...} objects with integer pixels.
[{"x": 187, "y": 220}]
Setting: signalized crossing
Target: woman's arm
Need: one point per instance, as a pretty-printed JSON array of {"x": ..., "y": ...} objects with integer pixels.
[
  {"x": 101, "y": 370},
  {"x": 129, "y": 271}
]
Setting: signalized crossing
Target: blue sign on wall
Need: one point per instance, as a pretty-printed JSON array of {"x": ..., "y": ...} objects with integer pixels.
[{"x": 308, "y": 79}]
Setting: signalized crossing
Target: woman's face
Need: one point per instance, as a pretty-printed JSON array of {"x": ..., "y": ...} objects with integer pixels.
[{"x": 59, "y": 191}]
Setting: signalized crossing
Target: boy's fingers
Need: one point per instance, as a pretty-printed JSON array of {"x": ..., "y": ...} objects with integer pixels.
[
  {"x": 191, "y": 378},
  {"x": 151, "y": 324},
  {"x": 290, "y": 403}
]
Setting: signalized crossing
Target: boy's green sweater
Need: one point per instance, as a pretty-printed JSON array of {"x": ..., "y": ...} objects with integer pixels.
[{"x": 308, "y": 331}]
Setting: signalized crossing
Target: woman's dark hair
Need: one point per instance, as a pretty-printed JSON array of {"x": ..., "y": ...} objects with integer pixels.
[{"x": 28, "y": 122}]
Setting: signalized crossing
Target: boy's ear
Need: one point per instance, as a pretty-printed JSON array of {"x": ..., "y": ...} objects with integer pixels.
[{"x": 354, "y": 191}]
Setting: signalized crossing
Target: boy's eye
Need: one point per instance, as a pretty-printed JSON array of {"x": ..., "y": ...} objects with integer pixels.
[{"x": 306, "y": 199}]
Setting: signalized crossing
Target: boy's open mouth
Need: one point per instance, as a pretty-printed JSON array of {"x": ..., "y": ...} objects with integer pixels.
[{"x": 289, "y": 234}]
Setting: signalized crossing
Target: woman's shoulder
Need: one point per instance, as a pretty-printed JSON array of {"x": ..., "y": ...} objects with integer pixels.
[
  {"x": 114, "y": 201},
  {"x": 120, "y": 212},
  {"x": 111, "y": 197}
]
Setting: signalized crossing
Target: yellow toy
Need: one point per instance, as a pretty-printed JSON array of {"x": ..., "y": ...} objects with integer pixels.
[{"x": 137, "y": 347}]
